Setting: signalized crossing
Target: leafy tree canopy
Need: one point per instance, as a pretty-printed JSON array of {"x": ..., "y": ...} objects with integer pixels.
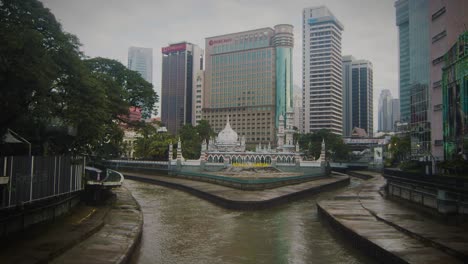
[
  {"x": 54, "y": 97},
  {"x": 311, "y": 144}
]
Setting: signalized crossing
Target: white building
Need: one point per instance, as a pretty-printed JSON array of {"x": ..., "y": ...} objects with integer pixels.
[
  {"x": 322, "y": 70},
  {"x": 141, "y": 61}
]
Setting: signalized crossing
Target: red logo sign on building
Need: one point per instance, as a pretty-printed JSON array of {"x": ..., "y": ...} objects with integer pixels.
[
  {"x": 174, "y": 48},
  {"x": 219, "y": 41}
]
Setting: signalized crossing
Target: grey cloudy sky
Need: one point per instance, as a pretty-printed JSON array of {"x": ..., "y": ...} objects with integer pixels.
[{"x": 107, "y": 28}]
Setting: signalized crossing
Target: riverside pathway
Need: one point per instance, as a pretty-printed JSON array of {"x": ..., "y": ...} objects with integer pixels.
[
  {"x": 239, "y": 199},
  {"x": 104, "y": 234},
  {"x": 392, "y": 232}
]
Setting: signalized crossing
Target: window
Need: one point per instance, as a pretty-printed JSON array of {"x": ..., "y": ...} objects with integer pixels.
[
  {"x": 438, "y": 60},
  {"x": 438, "y": 13},
  {"x": 439, "y": 36}
]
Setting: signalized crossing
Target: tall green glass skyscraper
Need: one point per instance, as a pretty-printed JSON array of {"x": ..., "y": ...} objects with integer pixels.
[{"x": 413, "y": 23}]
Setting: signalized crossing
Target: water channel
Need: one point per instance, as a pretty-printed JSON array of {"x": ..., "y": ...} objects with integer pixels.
[{"x": 181, "y": 228}]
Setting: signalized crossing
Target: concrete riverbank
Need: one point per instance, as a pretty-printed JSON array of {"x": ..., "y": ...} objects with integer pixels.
[
  {"x": 104, "y": 234},
  {"x": 237, "y": 199},
  {"x": 391, "y": 232}
]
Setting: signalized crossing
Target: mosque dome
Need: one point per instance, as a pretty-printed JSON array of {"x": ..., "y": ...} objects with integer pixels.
[{"x": 227, "y": 135}]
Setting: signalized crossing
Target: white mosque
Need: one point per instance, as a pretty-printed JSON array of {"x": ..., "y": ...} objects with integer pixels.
[{"x": 229, "y": 149}]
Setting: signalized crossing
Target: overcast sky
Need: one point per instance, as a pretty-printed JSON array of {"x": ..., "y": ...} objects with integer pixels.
[{"x": 106, "y": 28}]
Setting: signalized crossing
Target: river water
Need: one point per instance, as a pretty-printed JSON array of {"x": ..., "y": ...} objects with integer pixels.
[{"x": 181, "y": 228}]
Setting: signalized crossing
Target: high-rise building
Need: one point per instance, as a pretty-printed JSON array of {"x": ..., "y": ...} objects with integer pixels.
[
  {"x": 385, "y": 111},
  {"x": 395, "y": 112},
  {"x": 181, "y": 63},
  {"x": 141, "y": 61},
  {"x": 347, "y": 95},
  {"x": 412, "y": 21},
  {"x": 448, "y": 20},
  {"x": 357, "y": 100},
  {"x": 322, "y": 70},
  {"x": 298, "y": 108},
  {"x": 197, "y": 101},
  {"x": 248, "y": 77},
  {"x": 455, "y": 99},
  {"x": 363, "y": 95}
]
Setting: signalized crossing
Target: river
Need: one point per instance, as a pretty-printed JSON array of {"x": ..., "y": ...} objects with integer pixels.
[{"x": 181, "y": 228}]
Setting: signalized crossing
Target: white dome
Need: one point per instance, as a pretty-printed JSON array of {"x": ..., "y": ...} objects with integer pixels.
[{"x": 227, "y": 135}]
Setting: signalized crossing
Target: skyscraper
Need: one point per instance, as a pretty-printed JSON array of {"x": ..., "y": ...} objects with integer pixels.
[
  {"x": 385, "y": 111},
  {"x": 180, "y": 64},
  {"x": 395, "y": 112},
  {"x": 322, "y": 70},
  {"x": 141, "y": 61},
  {"x": 347, "y": 95},
  {"x": 248, "y": 77},
  {"x": 448, "y": 20},
  {"x": 363, "y": 95},
  {"x": 412, "y": 21},
  {"x": 357, "y": 93},
  {"x": 298, "y": 108}
]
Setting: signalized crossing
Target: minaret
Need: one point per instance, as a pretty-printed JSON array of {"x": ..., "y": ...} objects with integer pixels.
[
  {"x": 280, "y": 134},
  {"x": 179, "y": 150},
  {"x": 170, "y": 152},
  {"x": 322, "y": 152}
]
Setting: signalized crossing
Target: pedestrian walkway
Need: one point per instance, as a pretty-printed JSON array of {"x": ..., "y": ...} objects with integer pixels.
[
  {"x": 239, "y": 199},
  {"x": 115, "y": 242},
  {"x": 392, "y": 232},
  {"x": 41, "y": 243},
  {"x": 105, "y": 234}
]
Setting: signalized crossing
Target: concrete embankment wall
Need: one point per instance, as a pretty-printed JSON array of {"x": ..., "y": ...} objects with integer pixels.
[
  {"x": 23, "y": 219},
  {"x": 358, "y": 241},
  {"x": 240, "y": 204}
]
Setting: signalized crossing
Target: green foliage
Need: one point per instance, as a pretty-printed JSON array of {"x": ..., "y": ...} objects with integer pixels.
[
  {"x": 152, "y": 145},
  {"x": 399, "y": 149},
  {"x": 53, "y": 97},
  {"x": 191, "y": 142},
  {"x": 127, "y": 85},
  {"x": 204, "y": 130},
  {"x": 311, "y": 144}
]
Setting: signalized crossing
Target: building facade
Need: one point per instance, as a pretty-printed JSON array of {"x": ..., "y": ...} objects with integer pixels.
[
  {"x": 395, "y": 112},
  {"x": 455, "y": 100},
  {"x": 385, "y": 111},
  {"x": 363, "y": 95},
  {"x": 347, "y": 95},
  {"x": 357, "y": 92},
  {"x": 448, "y": 20},
  {"x": 298, "y": 109},
  {"x": 180, "y": 64},
  {"x": 197, "y": 100},
  {"x": 412, "y": 21},
  {"x": 141, "y": 61},
  {"x": 322, "y": 70},
  {"x": 248, "y": 76}
]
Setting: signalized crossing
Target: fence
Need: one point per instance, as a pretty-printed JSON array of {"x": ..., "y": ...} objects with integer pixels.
[
  {"x": 35, "y": 178},
  {"x": 448, "y": 195}
]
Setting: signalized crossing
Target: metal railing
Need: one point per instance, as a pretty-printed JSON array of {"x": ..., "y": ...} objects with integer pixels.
[{"x": 35, "y": 178}]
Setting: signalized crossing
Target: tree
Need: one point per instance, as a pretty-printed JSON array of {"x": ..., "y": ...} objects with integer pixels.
[
  {"x": 153, "y": 145},
  {"x": 53, "y": 97},
  {"x": 191, "y": 142},
  {"x": 311, "y": 143},
  {"x": 36, "y": 56},
  {"x": 204, "y": 130},
  {"x": 128, "y": 84},
  {"x": 399, "y": 148}
]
